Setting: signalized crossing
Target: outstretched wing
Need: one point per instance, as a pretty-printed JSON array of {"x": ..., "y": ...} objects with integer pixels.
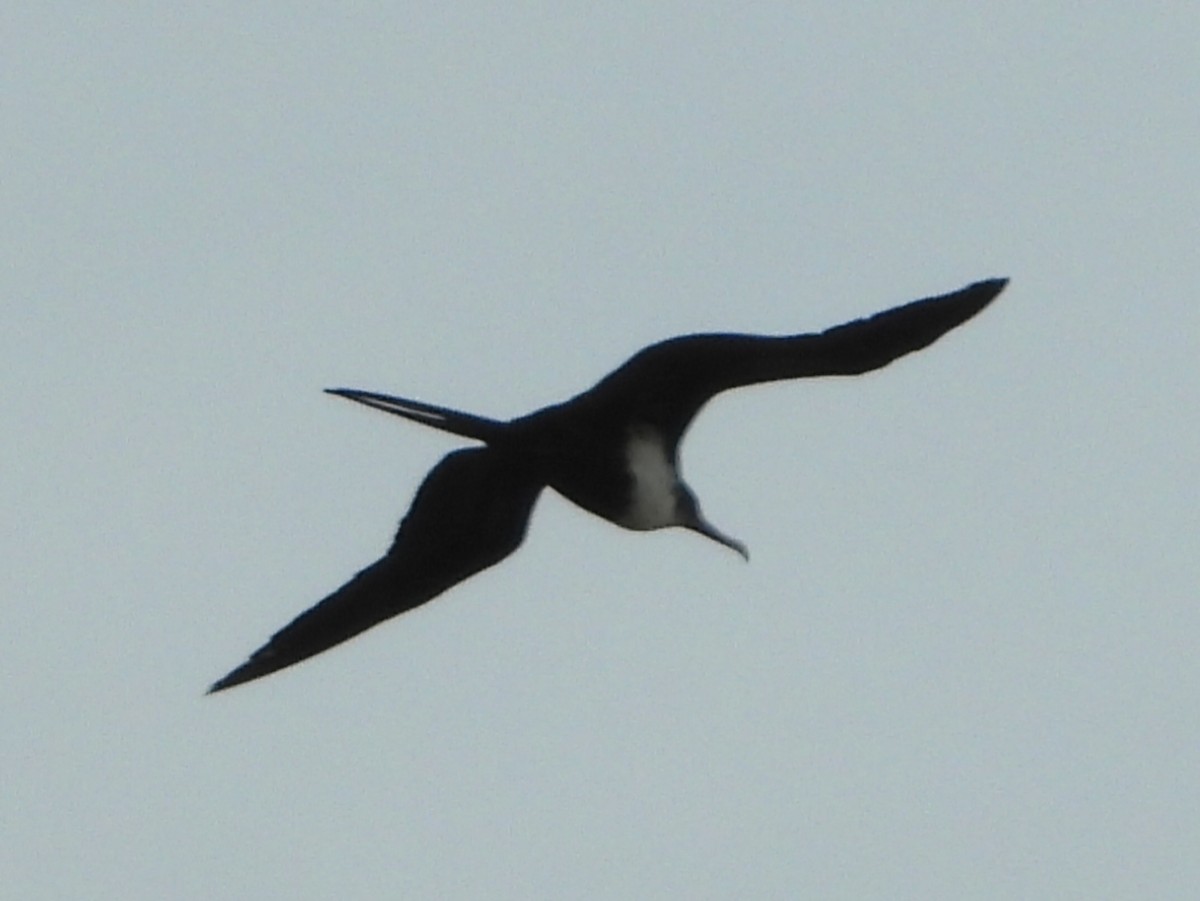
[
  {"x": 667, "y": 383},
  {"x": 470, "y": 513}
]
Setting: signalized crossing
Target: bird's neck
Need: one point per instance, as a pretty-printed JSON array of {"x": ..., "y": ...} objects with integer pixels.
[{"x": 654, "y": 480}]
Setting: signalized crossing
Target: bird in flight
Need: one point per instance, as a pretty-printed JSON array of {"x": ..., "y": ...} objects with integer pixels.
[{"x": 613, "y": 450}]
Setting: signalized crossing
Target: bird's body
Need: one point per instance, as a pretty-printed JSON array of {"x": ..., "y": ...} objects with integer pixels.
[{"x": 613, "y": 450}]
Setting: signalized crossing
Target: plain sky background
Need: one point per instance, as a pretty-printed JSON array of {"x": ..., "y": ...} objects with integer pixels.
[{"x": 962, "y": 662}]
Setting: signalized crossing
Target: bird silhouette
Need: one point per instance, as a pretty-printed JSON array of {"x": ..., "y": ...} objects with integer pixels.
[{"x": 613, "y": 450}]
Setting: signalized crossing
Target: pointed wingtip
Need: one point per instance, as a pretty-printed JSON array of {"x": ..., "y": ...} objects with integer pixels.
[
  {"x": 219, "y": 685},
  {"x": 990, "y": 287},
  {"x": 247, "y": 672},
  {"x": 973, "y": 299}
]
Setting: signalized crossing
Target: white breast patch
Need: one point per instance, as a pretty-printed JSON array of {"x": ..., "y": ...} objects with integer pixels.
[{"x": 654, "y": 479}]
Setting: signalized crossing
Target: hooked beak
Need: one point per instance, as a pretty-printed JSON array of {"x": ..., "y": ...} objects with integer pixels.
[{"x": 708, "y": 530}]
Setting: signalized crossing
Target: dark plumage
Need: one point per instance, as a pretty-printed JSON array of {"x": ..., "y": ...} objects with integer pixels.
[{"x": 613, "y": 450}]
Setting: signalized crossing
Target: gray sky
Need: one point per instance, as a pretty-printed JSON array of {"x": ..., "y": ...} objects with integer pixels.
[{"x": 962, "y": 662}]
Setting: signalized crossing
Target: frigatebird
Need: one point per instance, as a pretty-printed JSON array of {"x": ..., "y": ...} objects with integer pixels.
[{"x": 613, "y": 450}]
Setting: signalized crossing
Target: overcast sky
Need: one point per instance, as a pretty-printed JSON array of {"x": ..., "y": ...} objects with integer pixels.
[{"x": 962, "y": 662}]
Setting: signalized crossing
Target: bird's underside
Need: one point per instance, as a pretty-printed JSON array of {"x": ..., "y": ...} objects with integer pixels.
[{"x": 473, "y": 507}]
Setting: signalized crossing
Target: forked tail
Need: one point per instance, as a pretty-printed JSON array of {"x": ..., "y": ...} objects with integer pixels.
[{"x": 454, "y": 421}]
